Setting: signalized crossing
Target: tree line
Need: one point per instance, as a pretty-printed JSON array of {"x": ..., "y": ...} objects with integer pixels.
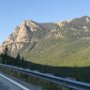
[
  {"x": 18, "y": 61},
  {"x": 76, "y": 72}
]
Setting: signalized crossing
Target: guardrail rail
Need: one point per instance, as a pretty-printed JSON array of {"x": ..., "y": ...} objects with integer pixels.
[{"x": 75, "y": 85}]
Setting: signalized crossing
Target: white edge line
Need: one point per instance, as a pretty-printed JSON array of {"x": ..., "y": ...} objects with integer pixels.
[{"x": 14, "y": 82}]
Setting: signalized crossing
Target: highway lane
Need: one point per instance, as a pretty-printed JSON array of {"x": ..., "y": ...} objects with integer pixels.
[{"x": 8, "y": 84}]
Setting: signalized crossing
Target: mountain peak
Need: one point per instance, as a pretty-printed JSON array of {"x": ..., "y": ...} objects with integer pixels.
[
  {"x": 83, "y": 18},
  {"x": 87, "y": 18},
  {"x": 30, "y": 24}
]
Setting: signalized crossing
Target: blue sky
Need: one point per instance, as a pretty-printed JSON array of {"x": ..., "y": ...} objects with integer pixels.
[{"x": 13, "y": 12}]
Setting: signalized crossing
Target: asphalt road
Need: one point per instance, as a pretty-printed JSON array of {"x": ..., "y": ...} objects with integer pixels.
[{"x": 9, "y": 84}]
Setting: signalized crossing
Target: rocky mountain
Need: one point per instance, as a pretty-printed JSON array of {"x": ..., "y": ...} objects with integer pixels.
[
  {"x": 22, "y": 36},
  {"x": 57, "y": 43}
]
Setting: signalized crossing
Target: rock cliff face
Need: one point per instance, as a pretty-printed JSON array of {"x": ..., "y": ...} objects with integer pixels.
[
  {"x": 21, "y": 36},
  {"x": 38, "y": 41}
]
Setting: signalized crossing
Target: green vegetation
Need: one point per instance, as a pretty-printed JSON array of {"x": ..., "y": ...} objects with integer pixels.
[
  {"x": 76, "y": 72},
  {"x": 71, "y": 49},
  {"x": 57, "y": 53}
]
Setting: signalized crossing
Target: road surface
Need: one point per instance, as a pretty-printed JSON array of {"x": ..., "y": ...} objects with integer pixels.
[{"x": 9, "y": 84}]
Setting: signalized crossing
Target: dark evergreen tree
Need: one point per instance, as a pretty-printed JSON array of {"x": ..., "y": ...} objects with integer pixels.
[
  {"x": 23, "y": 62},
  {"x": 17, "y": 61},
  {"x": 4, "y": 56}
]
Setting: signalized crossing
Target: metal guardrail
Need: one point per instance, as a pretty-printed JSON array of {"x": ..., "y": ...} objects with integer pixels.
[{"x": 75, "y": 85}]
